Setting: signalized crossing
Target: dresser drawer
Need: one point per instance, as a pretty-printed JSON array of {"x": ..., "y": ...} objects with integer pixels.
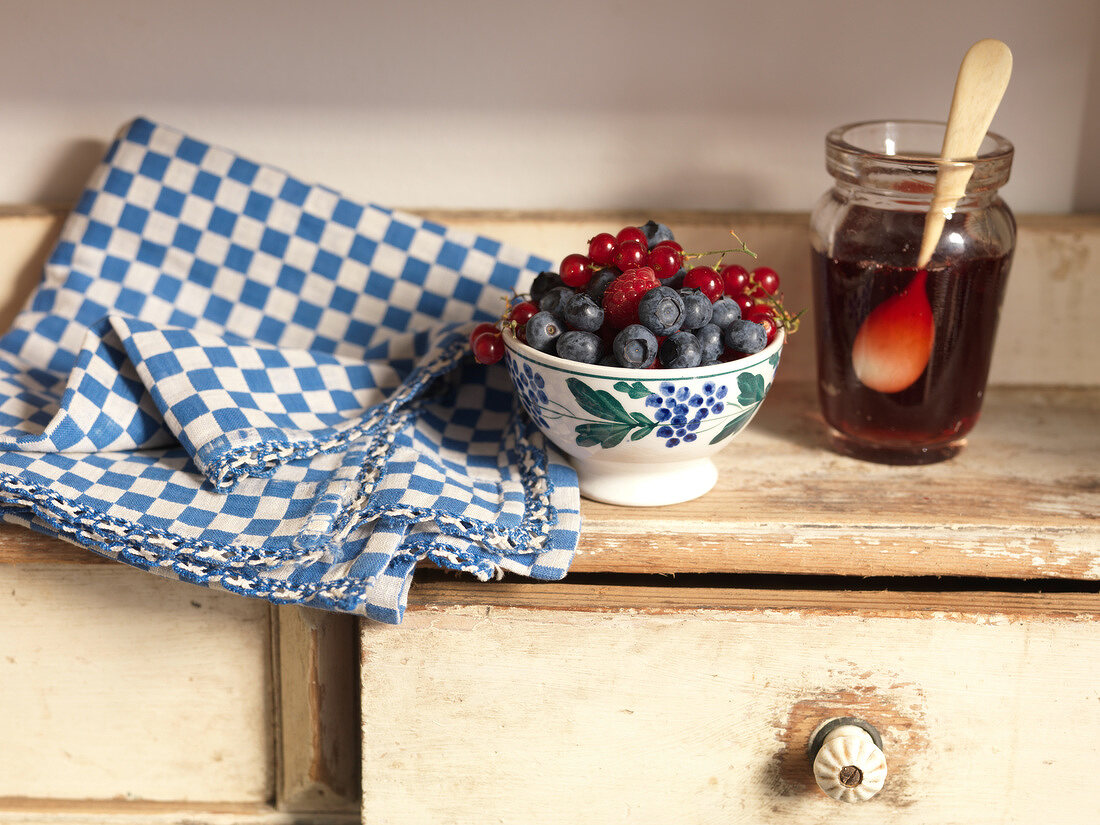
[
  {"x": 547, "y": 704},
  {"x": 119, "y": 685}
]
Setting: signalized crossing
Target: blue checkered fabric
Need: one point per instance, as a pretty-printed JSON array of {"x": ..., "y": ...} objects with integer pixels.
[{"x": 234, "y": 378}]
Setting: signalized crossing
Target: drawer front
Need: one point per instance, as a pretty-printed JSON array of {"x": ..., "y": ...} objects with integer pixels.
[
  {"x": 119, "y": 685},
  {"x": 681, "y": 713}
]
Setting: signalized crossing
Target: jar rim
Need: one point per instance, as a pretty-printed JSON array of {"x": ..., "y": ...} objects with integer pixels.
[
  {"x": 894, "y": 157},
  {"x": 1000, "y": 148}
]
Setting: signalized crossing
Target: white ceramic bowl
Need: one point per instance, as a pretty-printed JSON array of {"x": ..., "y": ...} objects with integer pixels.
[{"x": 641, "y": 437}]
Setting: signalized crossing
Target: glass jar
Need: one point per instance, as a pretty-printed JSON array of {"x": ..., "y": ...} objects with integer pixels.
[{"x": 903, "y": 353}]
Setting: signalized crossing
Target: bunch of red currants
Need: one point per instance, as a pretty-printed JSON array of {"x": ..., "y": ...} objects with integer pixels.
[{"x": 615, "y": 261}]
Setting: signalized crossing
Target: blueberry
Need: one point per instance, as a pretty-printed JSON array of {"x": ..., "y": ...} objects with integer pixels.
[
  {"x": 710, "y": 339},
  {"x": 677, "y": 280},
  {"x": 745, "y": 336},
  {"x": 656, "y": 232},
  {"x": 697, "y": 309},
  {"x": 543, "y": 330},
  {"x": 681, "y": 350},
  {"x": 578, "y": 345},
  {"x": 609, "y": 360},
  {"x": 635, "y": 347},
  {"x": 543, "y": 283},
  {"x": 599, "y": 283},
  {"x": 724, "y": 312},
  {"x": 581, "y": 312},
  {"x": 661, "y": 310},
  {"x": 555, "y": 299}
]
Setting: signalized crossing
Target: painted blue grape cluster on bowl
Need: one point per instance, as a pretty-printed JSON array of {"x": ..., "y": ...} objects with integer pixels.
[{"x": 531, "y": 388}]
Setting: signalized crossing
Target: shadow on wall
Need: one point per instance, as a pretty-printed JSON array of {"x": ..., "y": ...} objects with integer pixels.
[
  {"x": 1086, "y": 195},
  {"x": 69, "y": 170}
]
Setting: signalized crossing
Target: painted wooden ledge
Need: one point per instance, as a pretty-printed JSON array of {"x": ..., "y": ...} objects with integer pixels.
[{"x": 1020, "y": 502}]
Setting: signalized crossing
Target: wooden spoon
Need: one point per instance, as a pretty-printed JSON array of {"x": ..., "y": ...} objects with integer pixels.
[
  {"x": 894, "y": 342},
  {"x": 983, "y": 78}
]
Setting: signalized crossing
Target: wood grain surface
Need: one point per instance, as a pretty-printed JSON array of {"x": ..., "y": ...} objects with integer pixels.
[
  {"x": 316, "y": 695},
  {"x": 668, "y": 598}
]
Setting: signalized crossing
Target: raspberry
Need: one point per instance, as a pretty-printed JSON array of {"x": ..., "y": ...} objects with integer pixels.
[{"x": 620, "y": 301}]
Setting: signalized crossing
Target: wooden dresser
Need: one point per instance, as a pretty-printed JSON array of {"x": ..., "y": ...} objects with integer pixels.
[{"x": 676, "y": 675}]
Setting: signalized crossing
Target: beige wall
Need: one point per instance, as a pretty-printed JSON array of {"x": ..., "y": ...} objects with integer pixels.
[{"x": 565, "y": 103}]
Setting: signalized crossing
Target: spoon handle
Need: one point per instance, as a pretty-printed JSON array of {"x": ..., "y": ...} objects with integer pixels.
[{"x": 979, "y": 87}]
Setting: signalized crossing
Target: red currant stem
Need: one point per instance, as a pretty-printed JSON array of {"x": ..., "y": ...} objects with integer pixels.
[
  {"x": 722, "y": 252},
  {"x": 744, "y": 247},
  {"x": 790, "y": 323}
]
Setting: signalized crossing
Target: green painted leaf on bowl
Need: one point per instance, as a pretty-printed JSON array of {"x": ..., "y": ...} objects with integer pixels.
[
  {"x": 774, "y": 360},
  {"x": 599, "y": 403},
  {"x": 602, "y": 434},
  {"x": 752, "y": 388},
  {"x": 634, "y": 390},
  {"x": 733, "y": 425}
]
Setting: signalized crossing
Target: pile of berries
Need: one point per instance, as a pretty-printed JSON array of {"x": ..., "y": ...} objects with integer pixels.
[{"x": 633, "y": 302}]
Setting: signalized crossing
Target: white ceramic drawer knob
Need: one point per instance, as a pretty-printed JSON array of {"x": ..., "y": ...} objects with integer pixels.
[{"x": 848, "y": 761}]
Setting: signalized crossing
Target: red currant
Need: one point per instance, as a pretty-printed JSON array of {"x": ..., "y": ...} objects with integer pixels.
[
  {"x": 735, "y": 279},
  {"x": 632, "y": 233},
  {"x": 480, "y": 328},
  {"x": 675, "y": 247},
  {"x": 664, "y": 261},
  {"x": 706, "y": 280},
  {"x": 521, "y": 313},
  {"x": 488, "y": 347},
  {"x": 744, "y": 301},
  {"x": 629, "y": 254},
  {"x": 576, "y": 270},
  {"x": 766, "y": 278},
  {"x": 601, "y": 248}
]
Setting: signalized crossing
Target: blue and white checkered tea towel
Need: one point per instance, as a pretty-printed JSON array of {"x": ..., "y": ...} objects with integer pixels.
[{"x": 233, "y": 378}]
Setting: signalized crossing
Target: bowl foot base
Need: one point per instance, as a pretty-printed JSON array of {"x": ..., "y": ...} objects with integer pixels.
[{"x": 644, "y": 485}]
